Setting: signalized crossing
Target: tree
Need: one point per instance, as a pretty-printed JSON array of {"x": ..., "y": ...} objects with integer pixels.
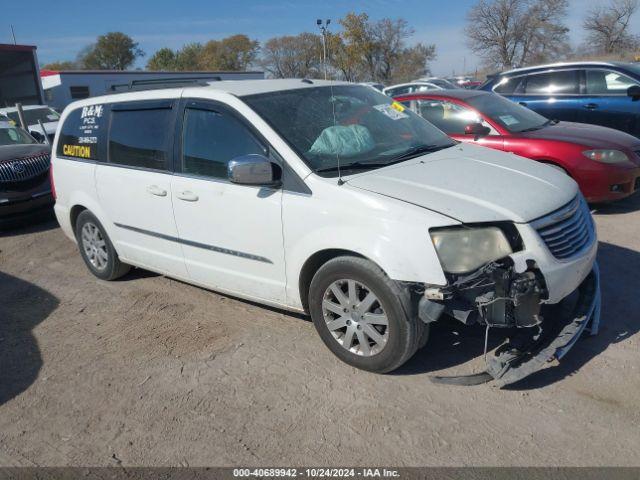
[
  {"x": 60, "y": 65},
  {"x": 188, "y": 57},
  {"x": 164, "y": 59},
  {"x": 292, "y": 56},
  {"x": 378, "y": 51},
  {"x": 514, "y": 33},
  {"x": 113, "y": 51},
  {"x": 608, "y": 27},
  {"x": 234, "y": 53}
]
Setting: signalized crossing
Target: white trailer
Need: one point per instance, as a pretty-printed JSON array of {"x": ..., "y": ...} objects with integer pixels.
[{"x": 63, "y": 87}]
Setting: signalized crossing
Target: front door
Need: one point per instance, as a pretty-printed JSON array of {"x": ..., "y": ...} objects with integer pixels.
[
  {"x": 231, "y": 234},
  {"x": 554, "y": 95}
]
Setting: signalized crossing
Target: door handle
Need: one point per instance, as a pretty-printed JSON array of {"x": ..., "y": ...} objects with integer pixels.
[
  {"x": 524, "y": 104},
  {"x": 156, "y": 190},
  {"x": 187, "y": 196},
  {"x": 591, "y": 106}
]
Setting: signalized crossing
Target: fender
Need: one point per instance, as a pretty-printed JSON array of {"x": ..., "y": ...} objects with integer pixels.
[{"x": 389, "y": 232}]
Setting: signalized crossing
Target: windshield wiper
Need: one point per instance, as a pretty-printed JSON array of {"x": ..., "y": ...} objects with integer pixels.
[
  {"x": 416, "y": 151},
  {"x": 540, "y": 127},
  {"x": 407, "y": 155},
  {"x": 349, "y": 166}
]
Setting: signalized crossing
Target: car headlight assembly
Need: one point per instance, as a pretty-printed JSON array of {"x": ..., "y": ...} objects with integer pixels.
[
  {"x": 606, "y": 156},
  {"x": 463, "y": 250}
]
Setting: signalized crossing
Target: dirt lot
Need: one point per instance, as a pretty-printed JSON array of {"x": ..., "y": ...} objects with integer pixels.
[{"x": 151, "y": 371}]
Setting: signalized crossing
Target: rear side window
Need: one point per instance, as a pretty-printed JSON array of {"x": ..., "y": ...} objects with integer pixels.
[
  {"x": 81, "y": 132},
  {"x": 607, "y": 82},
  {"x": 211, "y": 138},
  {"x": 553, "y": 83},
  {"x": 140, "y": 138}
]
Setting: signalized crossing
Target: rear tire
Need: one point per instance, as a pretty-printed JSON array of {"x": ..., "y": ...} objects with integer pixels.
[
  {"x": 96, "y": 248},
  {"x": 365, "y": 318}
]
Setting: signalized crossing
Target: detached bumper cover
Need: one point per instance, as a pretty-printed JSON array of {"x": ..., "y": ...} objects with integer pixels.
[{"x": 510, "y": 366}]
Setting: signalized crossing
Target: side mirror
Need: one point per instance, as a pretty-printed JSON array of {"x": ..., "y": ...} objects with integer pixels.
[
  {"x": 634, "y": 92},
  {"x": 477, "y": 129},
  {"x": 254, "y": 169},
  {"x": 37, "y": 135}
]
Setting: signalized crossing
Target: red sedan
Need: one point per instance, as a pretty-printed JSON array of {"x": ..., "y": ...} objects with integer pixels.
[{"x": 604, "y": 162}]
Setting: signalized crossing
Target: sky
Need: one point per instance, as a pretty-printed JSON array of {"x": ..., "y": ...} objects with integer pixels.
[{"x": 61, "y": 28}]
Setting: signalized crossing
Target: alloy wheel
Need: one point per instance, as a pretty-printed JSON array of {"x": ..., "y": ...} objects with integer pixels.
[
  {"x": 355, "y": 317},
  {"x": 94, "y": 246}
]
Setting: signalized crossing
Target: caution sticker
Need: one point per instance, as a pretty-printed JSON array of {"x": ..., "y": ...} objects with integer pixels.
[{"x": 80, "y": 151}]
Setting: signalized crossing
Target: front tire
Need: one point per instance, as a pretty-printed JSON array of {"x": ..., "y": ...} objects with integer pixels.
[
  {"x": 365, "y": 318},
  {"x": 96, "y": 248}
]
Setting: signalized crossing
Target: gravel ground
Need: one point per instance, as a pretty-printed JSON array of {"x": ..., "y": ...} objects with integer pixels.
[{"x": 151, "y": 371}]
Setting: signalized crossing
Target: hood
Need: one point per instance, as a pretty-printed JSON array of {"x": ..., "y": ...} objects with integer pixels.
[
  {"x": 473, "y": 184},
  {"x": 13, "y": 152},
  {"x": 594, "y": 136}
]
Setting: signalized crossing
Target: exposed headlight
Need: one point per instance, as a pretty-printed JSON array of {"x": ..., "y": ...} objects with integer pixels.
[
  {"x": 462, "y": 250},
  {"x": 606, "y": 156}
]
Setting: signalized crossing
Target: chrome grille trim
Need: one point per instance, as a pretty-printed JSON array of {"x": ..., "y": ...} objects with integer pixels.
[
  {"x": 24, "y": 168},
  {"x": 568, "y": 231}
]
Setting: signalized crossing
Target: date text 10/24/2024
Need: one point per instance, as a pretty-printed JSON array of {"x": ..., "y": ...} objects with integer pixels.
[{"x": 316, "y": 472}]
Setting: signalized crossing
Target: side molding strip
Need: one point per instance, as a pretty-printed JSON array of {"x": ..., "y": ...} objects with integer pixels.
[{"x": 190, "y": 243}]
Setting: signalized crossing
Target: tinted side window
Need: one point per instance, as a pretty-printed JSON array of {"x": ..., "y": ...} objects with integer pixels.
[
  {"x": 553, "y": 83},
  {"x": 607, "y": 82},
  {"x": 449, "y": 117},
  {"x": 140, "y": 138},
  {"x": 211, "y": 138},
  {"x": 81, "y": 132},
  {"x": 508, "y": 86}
]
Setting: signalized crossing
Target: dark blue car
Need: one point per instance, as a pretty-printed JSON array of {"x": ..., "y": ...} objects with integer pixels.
[{"x": 599, "y": 93}]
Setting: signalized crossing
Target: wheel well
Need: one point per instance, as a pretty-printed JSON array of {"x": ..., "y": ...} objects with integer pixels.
[
  {"x": 313, "y": 264},
  {"x": 76, "y": 210}
]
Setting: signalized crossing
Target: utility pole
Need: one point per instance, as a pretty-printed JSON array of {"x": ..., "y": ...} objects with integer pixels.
[
  {"x": 323, "y": 26},
  {"x": 13, "y": 34}
]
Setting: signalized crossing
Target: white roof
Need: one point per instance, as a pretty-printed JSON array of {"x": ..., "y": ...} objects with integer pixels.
[
  {"x": 238, "y": 88},
  {"x": 241, "y": 88}
]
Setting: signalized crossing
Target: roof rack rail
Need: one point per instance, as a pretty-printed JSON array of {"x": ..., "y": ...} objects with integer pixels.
[{"x": 158, "y": 83}]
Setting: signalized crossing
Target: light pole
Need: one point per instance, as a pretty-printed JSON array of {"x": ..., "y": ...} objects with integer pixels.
[{"x": 323, "y": 26}]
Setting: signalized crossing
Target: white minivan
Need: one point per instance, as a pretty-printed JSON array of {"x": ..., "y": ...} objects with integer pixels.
[{"x": 330, "y": 198}]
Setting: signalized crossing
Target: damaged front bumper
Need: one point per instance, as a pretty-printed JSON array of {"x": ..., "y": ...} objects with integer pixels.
[{"x": 497, "y": 296}]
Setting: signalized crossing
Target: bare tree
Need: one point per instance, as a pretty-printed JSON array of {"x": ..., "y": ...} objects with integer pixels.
[
  {"x": 608, "y": 27},
  {"x": 513, "y": 33}
]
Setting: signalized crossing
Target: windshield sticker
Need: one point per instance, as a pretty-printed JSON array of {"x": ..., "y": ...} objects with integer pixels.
[
  {"x": 509, "y": 120},
  {"x": 391, "y": 111},
  {"x": 398, "y": 106}
]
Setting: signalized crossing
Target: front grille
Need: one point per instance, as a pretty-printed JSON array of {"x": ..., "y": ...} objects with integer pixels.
[
  {"x": 24, "y": 168},
  {"x": 569, "y": 230}
]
